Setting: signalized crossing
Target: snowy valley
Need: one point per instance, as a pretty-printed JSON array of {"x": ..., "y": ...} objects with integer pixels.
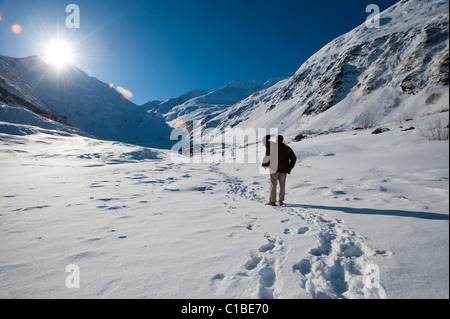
[{"x": 88, "y": 178}]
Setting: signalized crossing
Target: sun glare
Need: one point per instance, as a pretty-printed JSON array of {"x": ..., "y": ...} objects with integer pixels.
[{"x": 59, "y": 53}]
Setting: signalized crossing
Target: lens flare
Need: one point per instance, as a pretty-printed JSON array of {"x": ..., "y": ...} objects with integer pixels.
[
  {"x": 126, "y": 94},
  {"x": 16, "y": 28},
  {"x": 179, "y": 123}
]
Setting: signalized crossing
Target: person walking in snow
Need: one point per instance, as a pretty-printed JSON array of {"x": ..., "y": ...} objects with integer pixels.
[{"x": 280, "y": 159}]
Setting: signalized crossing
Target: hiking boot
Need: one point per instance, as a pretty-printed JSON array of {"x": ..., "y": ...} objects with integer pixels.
[
  {"x": 271, "y": 203},
  {"x": 281, "y": 203}
]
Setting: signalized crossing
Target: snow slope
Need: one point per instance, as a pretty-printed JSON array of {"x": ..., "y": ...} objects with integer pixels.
[
  {"x": 139, "y": 225},
  {"x": 367, "y": 77},
  {"x": 89, "y": 104}
]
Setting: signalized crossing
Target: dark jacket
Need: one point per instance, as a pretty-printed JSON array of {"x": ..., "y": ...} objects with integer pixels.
[{"x": 286, "y": 156}]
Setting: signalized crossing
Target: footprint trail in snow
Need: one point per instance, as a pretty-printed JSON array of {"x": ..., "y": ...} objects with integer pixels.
[{"x": 334, "y": 264}]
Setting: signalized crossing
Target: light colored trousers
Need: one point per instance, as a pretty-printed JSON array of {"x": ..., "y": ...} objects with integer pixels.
[{"x": 274, "y": 179}]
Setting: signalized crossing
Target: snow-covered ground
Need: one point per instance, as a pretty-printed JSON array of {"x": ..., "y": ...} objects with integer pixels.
[{"x": 139, "y": 225}]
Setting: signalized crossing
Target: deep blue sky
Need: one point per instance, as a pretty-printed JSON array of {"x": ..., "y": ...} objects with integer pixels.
[{"x": 161, "y": 49}]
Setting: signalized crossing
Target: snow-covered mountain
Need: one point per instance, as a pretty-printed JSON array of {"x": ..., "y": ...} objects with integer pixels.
[
  {"x": 73, "y": 97},
  {"x": 367, "y": 77},
  {"x": 205, "y": 104}
]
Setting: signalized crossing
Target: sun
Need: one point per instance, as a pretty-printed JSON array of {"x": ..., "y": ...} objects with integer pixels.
[{"x": 59, "y": 53}]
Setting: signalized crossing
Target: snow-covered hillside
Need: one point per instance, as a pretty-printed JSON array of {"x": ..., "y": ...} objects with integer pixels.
[
  {"x": 89, "y": 104},
  {"x": 367, "y": 77}
]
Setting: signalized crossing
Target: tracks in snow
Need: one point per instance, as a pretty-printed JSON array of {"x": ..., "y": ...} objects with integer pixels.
[{"x": 336, "y": 267}]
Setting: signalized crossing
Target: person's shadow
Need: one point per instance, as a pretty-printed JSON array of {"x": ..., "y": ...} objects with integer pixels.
[{"x": 370, "y": 211}]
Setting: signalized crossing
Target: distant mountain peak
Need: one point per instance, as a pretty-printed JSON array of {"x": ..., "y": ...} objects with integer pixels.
[
  {"x": 235, "y": 84},
  {"x": 203, "y": 104}
]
